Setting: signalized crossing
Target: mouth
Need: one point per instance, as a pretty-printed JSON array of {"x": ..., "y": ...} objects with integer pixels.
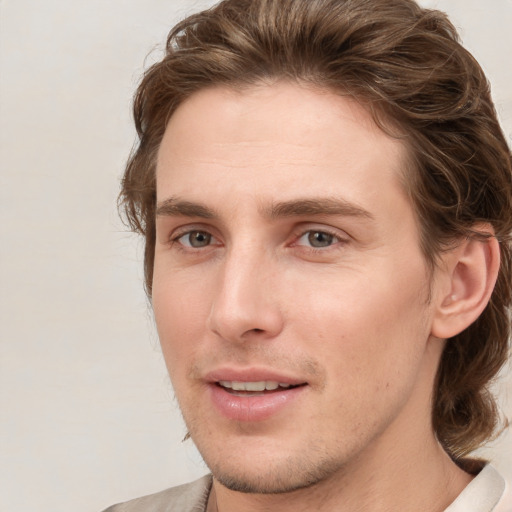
[
  {"x": 254, "y": 394},
  {"x": 256, "y": 388}
]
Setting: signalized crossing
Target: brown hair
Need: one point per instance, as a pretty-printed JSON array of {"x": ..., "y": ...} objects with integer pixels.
[{"x": 406, "y": 65}]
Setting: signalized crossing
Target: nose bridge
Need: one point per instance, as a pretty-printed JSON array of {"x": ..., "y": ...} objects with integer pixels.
[{"x": 243, "y": 303}]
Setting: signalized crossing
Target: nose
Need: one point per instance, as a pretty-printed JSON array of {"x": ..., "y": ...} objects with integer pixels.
[{"x": 245, "y": 305}]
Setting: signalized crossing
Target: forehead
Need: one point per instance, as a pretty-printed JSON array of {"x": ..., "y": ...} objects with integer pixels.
[{"x": 282, "y": 139}]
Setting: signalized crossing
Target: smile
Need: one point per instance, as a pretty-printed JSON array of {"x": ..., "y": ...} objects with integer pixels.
[
  {"x": 255, "y": 400},
  {"x": 251, "y": 388}
]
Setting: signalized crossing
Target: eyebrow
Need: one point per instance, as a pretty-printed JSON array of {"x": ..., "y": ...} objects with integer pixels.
[
  {"x": 174, "y": 207},
  {"x": 320, "y": 206}
]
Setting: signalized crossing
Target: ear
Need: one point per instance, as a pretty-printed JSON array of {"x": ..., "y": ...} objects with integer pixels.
[{"x": 468, "y": 275}]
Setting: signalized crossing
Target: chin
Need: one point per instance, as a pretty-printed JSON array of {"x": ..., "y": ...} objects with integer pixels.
[{"x": 285, "y": 476}]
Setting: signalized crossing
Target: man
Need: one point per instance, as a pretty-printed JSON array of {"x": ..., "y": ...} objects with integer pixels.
[{"x": 326, "y": 199}]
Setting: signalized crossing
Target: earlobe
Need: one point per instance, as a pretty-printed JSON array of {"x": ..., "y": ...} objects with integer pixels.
[{"x": 470, "y": 273}]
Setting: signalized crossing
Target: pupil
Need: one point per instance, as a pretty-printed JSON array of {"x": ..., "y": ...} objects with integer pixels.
[
  {"x": 199, "y": 239},
  {"x": 320, "y": 239}
]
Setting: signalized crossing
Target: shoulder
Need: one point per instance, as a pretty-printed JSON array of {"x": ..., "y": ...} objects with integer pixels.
[{"x": 190, "y": 497}]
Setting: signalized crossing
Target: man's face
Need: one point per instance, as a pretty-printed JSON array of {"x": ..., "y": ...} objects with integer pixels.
[{"x": 288, "y": 258}]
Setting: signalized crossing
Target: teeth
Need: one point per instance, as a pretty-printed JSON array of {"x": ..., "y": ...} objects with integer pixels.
[{"x": 253, "y": 386}]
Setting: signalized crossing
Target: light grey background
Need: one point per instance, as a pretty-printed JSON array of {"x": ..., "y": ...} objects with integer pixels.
[{"x": 88, "y": 416}]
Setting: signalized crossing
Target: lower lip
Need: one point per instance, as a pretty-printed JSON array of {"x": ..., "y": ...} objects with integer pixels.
[{"x": 252, "y": 408}]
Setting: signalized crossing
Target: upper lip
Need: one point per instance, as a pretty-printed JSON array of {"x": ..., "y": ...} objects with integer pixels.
[{"x": 252, "y": 375}]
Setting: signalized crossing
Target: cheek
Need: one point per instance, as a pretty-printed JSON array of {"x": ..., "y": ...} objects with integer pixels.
[
  {"x": 376, "y": 325},
  {"x": 179, "y": 316},
  {"x": 371, "y": 346}
]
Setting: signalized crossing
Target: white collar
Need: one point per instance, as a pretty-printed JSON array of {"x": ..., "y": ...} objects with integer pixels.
[{"x": 482, "y": 494}]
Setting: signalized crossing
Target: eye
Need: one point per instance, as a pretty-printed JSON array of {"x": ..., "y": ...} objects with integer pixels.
[
  {"x": 317, "y": 239},
  {"x": 195, "y": 239}
]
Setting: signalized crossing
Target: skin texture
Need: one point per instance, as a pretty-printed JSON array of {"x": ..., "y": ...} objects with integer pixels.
[{"x": 254, "y": 179}]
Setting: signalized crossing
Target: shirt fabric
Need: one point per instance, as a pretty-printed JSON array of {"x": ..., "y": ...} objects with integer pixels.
[{"x": 485, "y": 493}]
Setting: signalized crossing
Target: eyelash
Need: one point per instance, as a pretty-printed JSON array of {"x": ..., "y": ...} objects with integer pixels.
[
  {"x": 174, "y": 240},
  {"x": 337, "y": 243}
]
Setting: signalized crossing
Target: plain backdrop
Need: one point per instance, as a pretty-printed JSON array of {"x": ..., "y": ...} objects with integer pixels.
[{"x": 88, "y": 416}]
